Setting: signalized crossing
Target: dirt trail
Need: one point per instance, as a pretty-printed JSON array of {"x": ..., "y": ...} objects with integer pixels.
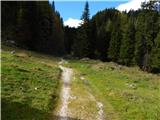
[
  {"x": 61, "y": 111},
  {"x": 66, "y": 77},
  {"x": 99, "y": 105},
  {"x": 100, "y": 111},
  {"x": 76, "y": 102}
]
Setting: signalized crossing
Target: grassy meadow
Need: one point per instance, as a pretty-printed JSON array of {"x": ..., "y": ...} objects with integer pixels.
[
  {"x": 29, "y": 85},
  {"x": 126, "y": 92}
]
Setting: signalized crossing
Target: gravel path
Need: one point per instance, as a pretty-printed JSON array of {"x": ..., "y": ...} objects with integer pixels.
[
  {"x": 65, "y": 91},
  {"x": 66, "y": 97}
]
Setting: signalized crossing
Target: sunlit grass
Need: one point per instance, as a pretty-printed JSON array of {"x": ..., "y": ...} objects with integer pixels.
[
  {"x": 127, "y": 93},
  {"x": 29, "y": 85}
]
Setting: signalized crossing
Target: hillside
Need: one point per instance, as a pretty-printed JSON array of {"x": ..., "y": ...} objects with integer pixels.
[
  {"x": 29, "y": 85},
  {"x": 126, "y": 93},
  {"x": 97, "y": 90}
]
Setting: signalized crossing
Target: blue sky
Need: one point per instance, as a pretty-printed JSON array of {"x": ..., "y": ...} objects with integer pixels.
[
  {"x": 71, "y": 10},
  {"x": 74, "y": 9}
]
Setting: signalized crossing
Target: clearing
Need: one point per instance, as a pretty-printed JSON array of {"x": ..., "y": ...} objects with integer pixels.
[{"x": 34, "y": 85}]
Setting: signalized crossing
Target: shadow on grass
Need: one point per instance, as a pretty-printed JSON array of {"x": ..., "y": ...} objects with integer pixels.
[{"x": 17, "y": 111}]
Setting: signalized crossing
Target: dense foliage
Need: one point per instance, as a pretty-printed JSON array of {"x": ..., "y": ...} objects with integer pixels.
[
  {"x": 126, "y": 38},
  {"x": 33, "y": 25}
]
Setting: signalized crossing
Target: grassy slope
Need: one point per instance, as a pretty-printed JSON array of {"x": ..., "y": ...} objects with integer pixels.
[
  {"x": 30, "y": 88},
  {"x": 127, "y": 93},
  {"x": 30, "y": 85}
]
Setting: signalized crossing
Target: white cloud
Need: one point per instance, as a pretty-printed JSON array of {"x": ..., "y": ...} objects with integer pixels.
[
  {"x": 71, "y": 22},
  {"x": 132, "y": 4}
]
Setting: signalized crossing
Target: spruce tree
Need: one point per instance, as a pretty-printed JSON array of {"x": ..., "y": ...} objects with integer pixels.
[
  {"x": 53, "y": 6},
  {"x": 127, "y": 44},
  {"x": 85, "y": 15},
  {"x": 146, "y": 32},
  {"x": 155, "y": 55},
  {"x": 140, "y": 46},
  {"x": 114, "y": 46},
  {"x": 23, "y": 28},
  {"x": 80, "y": 46},
  {"x": 81, "y": 43},
  {"x": 49, "y": 35}
]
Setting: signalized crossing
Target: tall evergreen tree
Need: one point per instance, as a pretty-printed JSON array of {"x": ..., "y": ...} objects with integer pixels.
[
  {"x": 110, "y": 35},
  {"x": 127, "y": 44},
  {"x": 140, "y": 46},
  {"x": 23, "y": 30},
  {"x": 115, "y": 43},
  {"x": 36, "y": 26},
  {"x": 85, "y": 15},
  {"x": 70, "y": 35},
  {"x": 80, "y": 46},
  {"x": 146, "y": 32},
  {"x": 50, "y": 32},
  {"x": 82, "y": 39},
  {"x": 53, "y": 6},
  {"x": 155, "y": 55}
]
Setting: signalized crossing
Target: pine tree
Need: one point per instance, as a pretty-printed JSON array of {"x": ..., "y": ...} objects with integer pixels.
[
  {"x": 53, "y": 6},
  {"x": 82, "y": 43},
  {"x": 104, "y": 22},
  {"x": 85, "y": 15},
  {"x": 23, "y": 28},
  {"x": 70, "y": 34},
  {"x": 140, "y": 46},
  {"x": 146, "y": 32},
  {"x": 80, "y": 46},
  {"x": 114, "y": 46},
  {"x": 155, "y": 55},
  {"x": 127, "y": 45},
  {"x": 49, "y": 34}
]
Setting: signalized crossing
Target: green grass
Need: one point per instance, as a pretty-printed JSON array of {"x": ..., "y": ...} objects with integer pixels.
[
  {"x": 30, "y": 88},
  {"x": 127, "y": 93},
  {"x": 29, "y": 85},
  {"x": 83, "y": 106}
]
